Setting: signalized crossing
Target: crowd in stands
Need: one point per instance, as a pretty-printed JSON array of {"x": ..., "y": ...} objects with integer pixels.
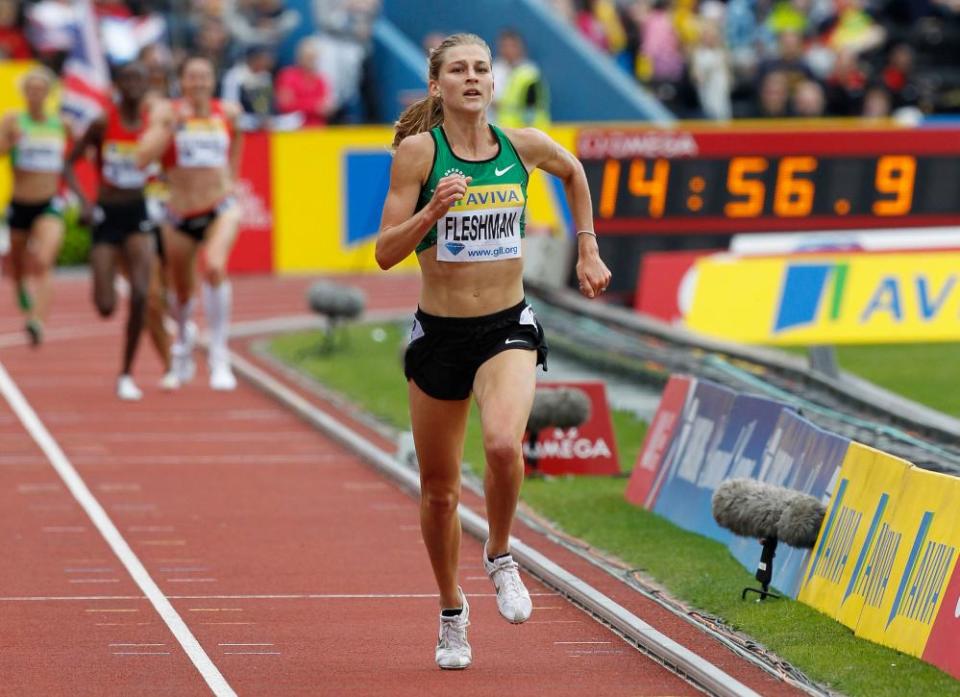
[
  {"x": 701, "y": 58},
  {"x": 322, "y": 82},
  {"x": 781, "y": 58}
]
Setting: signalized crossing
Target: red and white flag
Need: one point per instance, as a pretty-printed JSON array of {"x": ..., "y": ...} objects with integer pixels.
[{"x": 86, "y": 78}]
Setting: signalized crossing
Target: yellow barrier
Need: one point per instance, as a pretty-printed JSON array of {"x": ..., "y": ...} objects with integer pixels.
[
  {"x": 848, "y": 564},
  {"x": 829, "y": 299},
  {"x": 923, "y": 534}
]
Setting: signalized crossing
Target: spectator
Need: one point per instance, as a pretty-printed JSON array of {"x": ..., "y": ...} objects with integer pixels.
[
  {"x": 249, "y": 83},
  {"x": 301, "y": 88},
  {"x": 808, "y": 100},
  {"x": 660, "y": 45},
  {"x": 789, "y": 60},
  {"x": 711, "y": 73},
  {"x": 260, "y": 22},
  {"x": 591, "y": 27},
  {"x": 898, "y": 76},
  {"x": 522, "y": 97},
  {"x": 851, "y": 28},
  {"x": 774, "y": 96},
  {"x": 877, "y": 103},
  {"x": 158, "y": 62},
  {"x": 13, "y": 41},
  {"x": 846, "y": 85},
  {"x": 213, "y": 43},
  {"x": 346, "y": 30}
]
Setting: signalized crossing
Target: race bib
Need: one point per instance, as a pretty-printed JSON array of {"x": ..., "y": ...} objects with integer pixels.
[
  {"x": 202, "y": 146},
  {"x": 120, "y": 166},
  {"x": 40, "y": 154},
  {"x": 483, "y": 226}
]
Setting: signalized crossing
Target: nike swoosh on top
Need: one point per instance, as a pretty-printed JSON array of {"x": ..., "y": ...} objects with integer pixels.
[
  {"x": 500, "y": 172},
  {"x": 516, "y": 341}
]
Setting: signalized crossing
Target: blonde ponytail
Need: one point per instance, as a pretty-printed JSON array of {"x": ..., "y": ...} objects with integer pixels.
[{"x": 419, "y": 117}]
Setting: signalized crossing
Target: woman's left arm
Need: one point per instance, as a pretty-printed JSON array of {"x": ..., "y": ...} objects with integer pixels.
[{"x": 538, "y": 150}]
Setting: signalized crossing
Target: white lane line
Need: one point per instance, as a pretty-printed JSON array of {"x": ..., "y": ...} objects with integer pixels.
[
  {"x": 583, "y": 642},
  {"x": 120, "y": 645},
  {"x": 112, "y": 536},
  {"x": 94, "y": 580},
  {"x": 251, "y": 653},
  {"x": 191, "y": 580},
  {"x": 230, "y": 644},
  {"x": 150, "y": 528},
  {"x": 142, "y": 653}
]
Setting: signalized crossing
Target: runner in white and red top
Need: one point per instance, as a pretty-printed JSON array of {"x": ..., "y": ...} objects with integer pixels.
[
  {"x": 122, "y": 230},
  {"x": 197, "y": 142}
]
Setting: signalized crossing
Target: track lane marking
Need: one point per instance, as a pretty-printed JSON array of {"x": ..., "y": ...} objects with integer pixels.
[{"x": 81, "y": 492}]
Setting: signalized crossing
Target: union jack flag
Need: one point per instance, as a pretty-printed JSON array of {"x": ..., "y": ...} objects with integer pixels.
[{"x": 86, "y": 78}]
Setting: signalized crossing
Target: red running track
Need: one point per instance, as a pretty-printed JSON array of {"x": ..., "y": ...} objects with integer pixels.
[{"x": 298, "y": 569}]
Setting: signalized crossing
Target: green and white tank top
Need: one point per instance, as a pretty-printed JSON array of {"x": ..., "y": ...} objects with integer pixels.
[
  {"x": 41, "y": 145},
  {"x": 488, "y": 223}
]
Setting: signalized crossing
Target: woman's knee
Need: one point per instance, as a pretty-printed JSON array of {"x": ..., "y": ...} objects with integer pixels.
[
  {"x": 502, "y": 451},
  {"x": 440, "y": 500}
]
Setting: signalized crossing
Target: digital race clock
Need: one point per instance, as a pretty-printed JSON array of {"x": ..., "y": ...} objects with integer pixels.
[{"x": 733, "y": 180}]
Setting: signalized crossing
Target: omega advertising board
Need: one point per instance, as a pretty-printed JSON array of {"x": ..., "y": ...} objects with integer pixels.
[{"x": 586, "y": 449}]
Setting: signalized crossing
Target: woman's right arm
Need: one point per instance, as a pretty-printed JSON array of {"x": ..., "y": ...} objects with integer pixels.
[
  {"x": 8, "y": 133},
  {"x": 156, "y": 138},
  {"x": 400, "y": 228}
]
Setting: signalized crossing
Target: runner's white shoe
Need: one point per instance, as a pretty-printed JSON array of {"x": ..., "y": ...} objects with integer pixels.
[
  {"x": 127, "y": 389},
  {"x": 453, "y": 650},
  {"x": 182, "y": 363},
  {"x": 513, "y": 600},
  {"x": 170, "y": 381},
  {"x": 221, "y": 376}
]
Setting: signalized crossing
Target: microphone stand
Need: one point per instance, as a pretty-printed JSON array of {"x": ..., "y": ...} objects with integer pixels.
[{"x": 764, "y": 571}]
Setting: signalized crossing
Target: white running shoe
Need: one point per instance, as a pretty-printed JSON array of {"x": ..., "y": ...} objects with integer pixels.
[
  {"x": 513, "y": 600},
  {"x": 127, "y": 389},
  {"x": 221, "y": 376},
  {"x": 182, "y": 363},
  {"x": 453, "y": 650},
  {"x": 170, "y": 382}
]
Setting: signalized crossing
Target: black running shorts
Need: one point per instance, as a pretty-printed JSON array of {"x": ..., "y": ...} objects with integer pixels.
[
  {"x": 21, "y": 216},
  {"x": 445, "y": 353},
  {"x": 117, "y": 221}
]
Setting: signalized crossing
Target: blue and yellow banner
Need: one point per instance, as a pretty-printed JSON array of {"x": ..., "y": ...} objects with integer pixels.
[{"x": 829, "y": 299}]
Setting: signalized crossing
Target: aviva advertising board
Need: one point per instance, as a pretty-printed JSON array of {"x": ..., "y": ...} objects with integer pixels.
[
  {"x": 887, "y": 550},
  {"x": 816, "y": 299}
]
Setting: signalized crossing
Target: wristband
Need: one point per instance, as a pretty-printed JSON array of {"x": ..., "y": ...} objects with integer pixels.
[{"x": 586, "y": 232}]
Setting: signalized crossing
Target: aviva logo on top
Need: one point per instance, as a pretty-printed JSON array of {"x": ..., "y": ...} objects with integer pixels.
[{"x": 851, "y": 298}]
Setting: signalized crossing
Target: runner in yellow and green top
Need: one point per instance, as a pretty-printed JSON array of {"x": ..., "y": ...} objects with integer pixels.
[{"x": 37, "y": 144}]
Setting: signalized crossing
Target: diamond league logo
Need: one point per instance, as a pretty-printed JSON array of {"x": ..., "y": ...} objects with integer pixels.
[{"x": 454, "y": 247}]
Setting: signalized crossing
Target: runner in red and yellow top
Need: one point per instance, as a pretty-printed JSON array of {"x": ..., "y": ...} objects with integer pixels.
[
  {"x": 197, "y": 141},
  {"x": 37, "y": 143},
  {"x": 122, "y": 229}
]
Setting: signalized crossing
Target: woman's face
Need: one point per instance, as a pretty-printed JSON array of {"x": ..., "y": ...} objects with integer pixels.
[
  {"x": 465, "y": 81},
  {"x": 35, "y": 90},
  {"x": 197, "y": 80}
]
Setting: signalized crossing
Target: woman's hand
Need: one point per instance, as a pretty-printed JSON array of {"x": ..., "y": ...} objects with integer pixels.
[
  {"x": 450, "y": 189},
  {"x": 592, "y": 273}
]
